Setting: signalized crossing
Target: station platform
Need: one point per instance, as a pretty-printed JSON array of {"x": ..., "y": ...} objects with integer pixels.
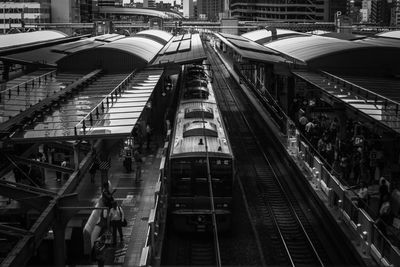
[
  {"x": 372, "y": 207},
  {"x": 136, "y": 199}
]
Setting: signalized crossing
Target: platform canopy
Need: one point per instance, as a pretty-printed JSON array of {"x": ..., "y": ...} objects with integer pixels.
[
  {"x": 390, "y": 34},
  {"x": 49, "y": 55},
  {"x": 160, "y": 36},
  {"x": 181, "y": 49},
  {"x": 88, "y": 116},
  {"x": 123, "y": 54},
  {"x": 248, "y": 49},
  {"x": 19, "y": 39},
  {"x": 264, "y": 36},
  {"x": 325, "y": 53},
  {"x": 376, "y": 98}
]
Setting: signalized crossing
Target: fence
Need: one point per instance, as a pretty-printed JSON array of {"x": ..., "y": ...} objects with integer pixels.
[{"x": 151, "y": 252}]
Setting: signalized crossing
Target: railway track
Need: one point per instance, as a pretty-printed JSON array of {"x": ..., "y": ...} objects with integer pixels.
[{"x": 285, "y": 233}]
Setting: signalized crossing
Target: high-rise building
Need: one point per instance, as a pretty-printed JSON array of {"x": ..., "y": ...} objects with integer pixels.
[
  {"x": 149, "y": 3},
  {"x": 286, "y": 10},
  {"x": 17, "y": 14},
  {"x": 188, "y": 8},
  {"x": 380, "y": 12},
  {"x": 66, "y": 11},
  {"x": 395, "y": 13},
  {"x": 209, "y": 9}
]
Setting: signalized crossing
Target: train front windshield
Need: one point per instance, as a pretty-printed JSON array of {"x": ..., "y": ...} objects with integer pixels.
[{"x": 190, "y": 178}]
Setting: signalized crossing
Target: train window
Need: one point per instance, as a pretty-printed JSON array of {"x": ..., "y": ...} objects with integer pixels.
[
  {"x": 182, "y": 187},
  {"x": 180, "y": 168},
  {"x": 199, "y": 113}
]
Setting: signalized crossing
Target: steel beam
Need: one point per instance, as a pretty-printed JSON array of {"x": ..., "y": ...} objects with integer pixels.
[
  {"x": 27, "y": 246},
  {"x": 42, "y": 164},
  {"x": 30, "y": 198}
]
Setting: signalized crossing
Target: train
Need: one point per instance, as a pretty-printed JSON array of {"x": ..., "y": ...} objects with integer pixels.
[{"x": 199, "y": 152}]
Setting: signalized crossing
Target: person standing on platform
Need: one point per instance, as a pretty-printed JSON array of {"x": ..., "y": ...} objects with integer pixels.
[
  {"x": 148, "y": 136},
  {"x": 383, "y": 191},
  {"x": 92, "y": 171},
  {"x": 65, "y": 164},
  {"x": 116, "y": 218},
  {"x": 138, "y": 162},
  {"x": 363, "y": 196}
]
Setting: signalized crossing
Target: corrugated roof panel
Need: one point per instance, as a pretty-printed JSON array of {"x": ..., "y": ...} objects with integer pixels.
[
  {"x": 232, "y": 36},
  {"x": 84, "y": 47},
  {"x": 104, "y": 37},
  {"x": 166, "y": 36},
  {"x": 391, "y": 34},
  {"x": 141, "y": 47},
  {"x": 43, "y": 55},
  {"x": 8, "y": 40},
  {"x": 380, "y": 41},
  {"x": 61, "y": 48},
  {"x": 112, "y": 39},
  {"x": 246, "y": 45},
  {"x": 305, "y": 48},
  {"x": 263, "y": 36}
]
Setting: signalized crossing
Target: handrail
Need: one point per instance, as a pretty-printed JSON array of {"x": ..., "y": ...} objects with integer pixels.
[
  {"x": 25, "y": 82},
  {"x": 100, "y": 105},
  {"x": 361, "y": 88}
]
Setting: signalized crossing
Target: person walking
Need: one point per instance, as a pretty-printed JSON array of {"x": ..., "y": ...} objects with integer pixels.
[
  {"x": 138, "y": 162},
  {"x": 116, "y": 218},
  {"x": 148, "y": 136},
  {"x": 92, "y": 171},
  {"x": 383, "y": 191}
]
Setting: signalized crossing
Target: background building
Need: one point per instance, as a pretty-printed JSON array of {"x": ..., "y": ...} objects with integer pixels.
[
  {"x": 188, "y": 8},
  {"x": 18, "y": 13},
  {"x": 66, "y": 11},
  {"x": 288, "y": 11},
  {"x": 149, "y": 3},
  {"x": 209, "y": 9}
]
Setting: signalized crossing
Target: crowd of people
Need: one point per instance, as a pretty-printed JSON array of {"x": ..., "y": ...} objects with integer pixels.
[{"x": 353, "y": 153}]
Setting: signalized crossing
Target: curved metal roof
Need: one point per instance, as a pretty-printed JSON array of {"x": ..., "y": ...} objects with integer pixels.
[
  {"x": 144, "y": 48},
  {"x": 264, "y": 36},
  {"x": 306, "y": 48},
  {"x": 7, "y": 40},
  {"x": 156, "y": 35},
  {"x": 391, "y": 34}
]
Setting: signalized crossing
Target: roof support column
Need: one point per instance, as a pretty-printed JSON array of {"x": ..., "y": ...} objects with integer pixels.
[
  {"x": 66, "y": 209},
  {"x": 76, "y": 156},
  {"x": 59, "y": 241}
]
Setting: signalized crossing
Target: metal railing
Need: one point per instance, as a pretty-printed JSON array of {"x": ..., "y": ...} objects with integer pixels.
[
  {"x": 24, "y": 85},
  {"x": 363, "y": 92},
  {"x": 102, "y": 107}
]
